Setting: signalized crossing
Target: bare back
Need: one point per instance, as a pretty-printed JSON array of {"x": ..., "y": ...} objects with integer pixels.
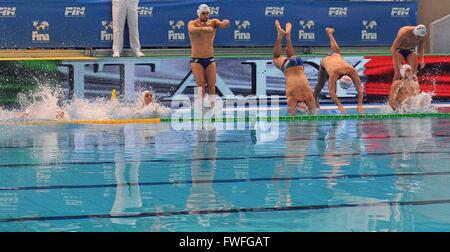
[
  {"x": 202, "y": 43},
  {"x": 335, "y": 64},
  {"x": 297, "y": 85},
  {"x": 407, "y": 39}
]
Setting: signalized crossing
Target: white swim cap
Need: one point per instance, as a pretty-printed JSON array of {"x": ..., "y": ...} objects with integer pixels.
[
  {"x": 302, "y": 107},
  {"x": 420, "y": 31},
  {"x": 403, "y": 69},
  {"x": 142, "y": 98},
  {"x": 345, "y": 81},
  {"x": 203, "y": 8}
]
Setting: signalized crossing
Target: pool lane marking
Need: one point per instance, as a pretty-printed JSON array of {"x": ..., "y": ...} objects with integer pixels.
[
  {"x": 115, "y": 121},
  {"x": 292, "y": 139},
  {"x": 239, "y": 119},
  {"x": 227, "y": 158},
  {"x": 226, "y": 210},
  {"x": 220, "y": 181}
]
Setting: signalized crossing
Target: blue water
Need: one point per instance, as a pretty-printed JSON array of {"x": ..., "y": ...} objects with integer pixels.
[{"x": 353, "y": 175}]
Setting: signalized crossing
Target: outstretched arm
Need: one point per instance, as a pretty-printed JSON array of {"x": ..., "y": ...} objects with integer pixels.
[
  {"x": 332, "y": 92},
  {"x": 357, "y": 81},
  {"x": 422, "y": 53}
]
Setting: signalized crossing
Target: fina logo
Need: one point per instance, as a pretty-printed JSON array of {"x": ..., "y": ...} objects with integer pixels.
[
  {"x": 173, "y": 35},
  {"x": 367, "y": 33},
  {"x": 400, "y": 12},
  {"x": 145, "y": 11},
  {"x": 7, "y": 11},
  {"x": 75, "y": 12},
  {"x": 214, "y": 11},
  {"x": 39, "y": 34},
  {"x": 306, "y": 26},
  {"x": 244, "y": 25},
  {"x": 106, "y": 34},
  {"x": 337, "y": 12},
  {"x": 274, "y": 11}
]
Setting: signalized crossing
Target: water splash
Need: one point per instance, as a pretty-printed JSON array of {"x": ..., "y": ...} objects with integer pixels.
[
  {"x": 46, "y": 104},
  {"x": 42, "y": 104},
  {"x": 420, "y": 103}
]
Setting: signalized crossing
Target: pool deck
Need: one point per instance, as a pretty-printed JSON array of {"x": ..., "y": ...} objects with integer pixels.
[{"x": 88, "y": 54}]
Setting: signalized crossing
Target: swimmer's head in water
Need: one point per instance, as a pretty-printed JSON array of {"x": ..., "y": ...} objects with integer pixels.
[
  {"x": 60, "y": 115},
  {"x": 406, "y": 71},
  {"x": 146, "y": 98},
  {"x": 203, "y": 12},
  {"x": 302, "y": 107},
  {"x": 345, "y": 82},
  {"x": 420, "y": 31}
]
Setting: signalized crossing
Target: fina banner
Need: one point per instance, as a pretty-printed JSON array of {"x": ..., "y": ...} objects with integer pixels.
[{"x": 88, "y": 23}]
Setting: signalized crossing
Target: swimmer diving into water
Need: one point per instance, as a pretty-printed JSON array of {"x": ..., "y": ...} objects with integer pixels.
[
  {"x": 333, "y": 68},
  {"x": 298, "y": 91}
]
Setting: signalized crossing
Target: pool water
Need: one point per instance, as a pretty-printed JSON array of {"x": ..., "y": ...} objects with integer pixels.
[{"x": 352, "y": 175}]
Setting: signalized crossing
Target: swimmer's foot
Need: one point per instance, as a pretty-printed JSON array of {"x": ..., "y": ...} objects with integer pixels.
[
  {"x": 329, "y": 30},
  {"x": 288, "y": 28},
  {"x": 280, "y": 32}
]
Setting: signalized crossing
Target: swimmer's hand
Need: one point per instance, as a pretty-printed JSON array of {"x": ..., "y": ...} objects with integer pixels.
[
  {"x": 226, "y": 22},
  {"x": 422, "y": 65},
  {"x": 360, "y": 109},
  {"x": 342, "y": 109}
]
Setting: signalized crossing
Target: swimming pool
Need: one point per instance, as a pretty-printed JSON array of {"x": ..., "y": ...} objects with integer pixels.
[{"x": 331, "y": 175}]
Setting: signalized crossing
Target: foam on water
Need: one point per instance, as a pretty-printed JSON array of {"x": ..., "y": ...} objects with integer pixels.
[
  {"x": 420, "y": 103},
  {"x": 45, "y": 104}
]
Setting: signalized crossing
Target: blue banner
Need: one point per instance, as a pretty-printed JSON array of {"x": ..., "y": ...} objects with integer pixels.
[{"x": 88, "y": 24}]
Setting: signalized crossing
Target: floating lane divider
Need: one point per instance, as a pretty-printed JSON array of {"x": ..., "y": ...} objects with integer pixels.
[
  {"x": 115, "y": 121},
  {"x": 239, "y": 119},
  {"x": 310, "y": 117}
]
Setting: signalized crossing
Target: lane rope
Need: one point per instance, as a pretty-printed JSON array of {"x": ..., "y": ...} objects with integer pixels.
[{"x": 238, "y": 119}]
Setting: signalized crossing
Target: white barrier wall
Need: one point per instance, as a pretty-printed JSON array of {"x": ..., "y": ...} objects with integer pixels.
[{"x": 440, "y": 35}]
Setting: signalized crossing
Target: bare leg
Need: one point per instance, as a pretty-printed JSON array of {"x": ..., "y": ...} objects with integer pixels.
[
  {"x": 210, "y": 74},
  {"x": 333, "y": 44},
  {"x": 280, "y": 35},
  {"x": 289, "y": 48},
  {"x": 397, "y": 60},
  {"x": 199, "y": 75},
  {"x": 412, "y": 61},
  {"x": 322, "y": 78}
]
